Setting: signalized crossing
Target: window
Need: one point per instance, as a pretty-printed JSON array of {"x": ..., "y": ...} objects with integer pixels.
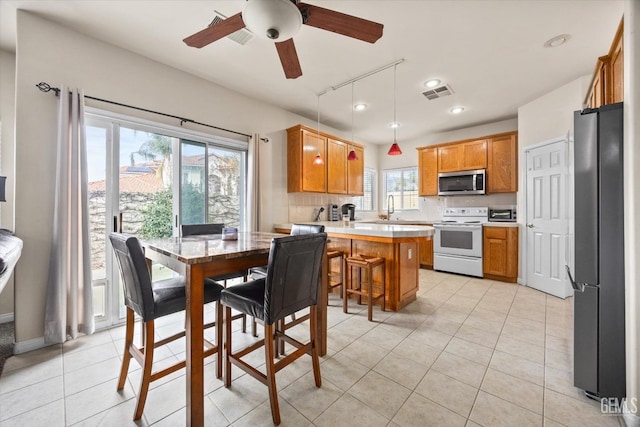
[
  {"x": 367, "y": 202},
  {"x": 402, "y": 184}
]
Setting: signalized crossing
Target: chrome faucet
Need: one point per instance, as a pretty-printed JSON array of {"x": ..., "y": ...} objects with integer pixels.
[{"x": 390, "y": 206}]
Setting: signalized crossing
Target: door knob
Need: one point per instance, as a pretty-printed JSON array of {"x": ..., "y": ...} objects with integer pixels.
[{"x": 530, "y": 225}]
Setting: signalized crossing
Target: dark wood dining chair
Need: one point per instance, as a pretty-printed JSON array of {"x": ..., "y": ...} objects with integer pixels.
[
  {"x": 152, "y": 300},
  {"x": 216, "y": 228},
  {"x": 291, "y": 284}
]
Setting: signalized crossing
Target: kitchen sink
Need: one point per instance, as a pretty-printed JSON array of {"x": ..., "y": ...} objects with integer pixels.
[{"x": 397, "y": 222}]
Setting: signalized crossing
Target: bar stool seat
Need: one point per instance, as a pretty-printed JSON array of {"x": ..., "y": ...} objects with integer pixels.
[{"x": 364, "y": 287}]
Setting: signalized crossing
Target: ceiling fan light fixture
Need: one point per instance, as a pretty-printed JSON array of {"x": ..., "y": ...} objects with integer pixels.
[{"x": 272, "y": 20}]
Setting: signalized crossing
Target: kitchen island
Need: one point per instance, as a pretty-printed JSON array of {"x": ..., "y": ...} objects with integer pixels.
[{"x": 398, "y": 244}]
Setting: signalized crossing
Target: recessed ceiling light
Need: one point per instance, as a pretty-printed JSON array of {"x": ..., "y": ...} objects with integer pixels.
[
  {"x": 557, "y": 40},
  {"x": 360, "y": 107},
  {"x": 456, "y": 110},
  {"x": 432, "y": 83},
  {"x": 394, "y": 125}
]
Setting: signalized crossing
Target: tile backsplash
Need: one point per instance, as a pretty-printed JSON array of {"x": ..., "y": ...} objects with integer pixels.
[{"x": 303, "y": 207}]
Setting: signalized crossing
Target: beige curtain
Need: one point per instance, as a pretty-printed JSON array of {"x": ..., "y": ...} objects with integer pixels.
[
  {"x": 254, "y": 193},
  {"x": 69, "y": 308}
]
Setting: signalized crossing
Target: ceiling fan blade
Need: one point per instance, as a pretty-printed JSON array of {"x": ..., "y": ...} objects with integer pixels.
[
  {"x": 342, "y": 23},
  {"x": 289, "y": 59},
  {"x": 216, "y": 32}
]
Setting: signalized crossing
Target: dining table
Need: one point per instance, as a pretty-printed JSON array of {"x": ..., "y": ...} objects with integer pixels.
[{"x": 201, "y": 256}]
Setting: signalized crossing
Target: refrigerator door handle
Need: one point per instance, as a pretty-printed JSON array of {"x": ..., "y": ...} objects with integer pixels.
[{"x": 579, "y": 287}]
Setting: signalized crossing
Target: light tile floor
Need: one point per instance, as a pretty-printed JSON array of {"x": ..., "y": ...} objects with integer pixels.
[{"x": 467, "y": 352}]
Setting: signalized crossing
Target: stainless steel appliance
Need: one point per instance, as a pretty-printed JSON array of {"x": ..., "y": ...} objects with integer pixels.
[
  {"x": 461, "y": 183},
  {"x": 457, "y": 243},
  {"x": 598, "y": 282},
  {"x": 349, "y": 209},
  {"x": 333, "y": 213},
  {"x": 502, "y": 214}
]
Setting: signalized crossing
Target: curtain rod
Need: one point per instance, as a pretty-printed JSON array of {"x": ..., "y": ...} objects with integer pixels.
[{"x": 45, "y": 87}]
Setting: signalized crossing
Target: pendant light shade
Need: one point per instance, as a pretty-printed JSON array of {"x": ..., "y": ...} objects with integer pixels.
[
  {"x": 318, "y": 160},
  {"x": 395, "y": 148},
  {"x": 352, "y": 153}
]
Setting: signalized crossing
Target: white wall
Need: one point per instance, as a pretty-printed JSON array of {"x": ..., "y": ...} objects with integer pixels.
[
  {"x": 51, "y": 53},
  {"x": 632, "y": 203},
  {"x": 431, "y": 207},
  {"x": 7, "y": 158}
]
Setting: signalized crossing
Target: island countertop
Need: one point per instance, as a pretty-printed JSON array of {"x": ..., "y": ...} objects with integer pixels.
[{"x": 361, "y": 228}]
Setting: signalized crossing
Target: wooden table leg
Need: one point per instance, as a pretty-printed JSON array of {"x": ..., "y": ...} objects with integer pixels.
[{"x": 195, "y": 345}]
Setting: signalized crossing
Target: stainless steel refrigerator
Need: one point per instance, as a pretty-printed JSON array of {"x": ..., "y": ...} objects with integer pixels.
[{"x": 598, "y": 279}]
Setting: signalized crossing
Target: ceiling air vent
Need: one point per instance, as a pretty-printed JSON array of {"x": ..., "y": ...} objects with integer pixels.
[
  {"x": 438, "y": 92},
  {"x": 241, "y": 36}
]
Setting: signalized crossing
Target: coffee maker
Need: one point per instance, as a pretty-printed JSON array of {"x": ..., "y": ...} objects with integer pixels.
[{"x": 349, "y": 209}]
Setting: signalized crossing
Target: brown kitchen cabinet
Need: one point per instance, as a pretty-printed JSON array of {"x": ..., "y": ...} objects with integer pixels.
[
  {"x": 462, "y": 156},
  {"x": 500, "y": 253},
  {"x": 303, "y": 174},
  {"x": 337, "y": 152},
  {"x": 426, "y": 253},
  {"x": 336, "y": 174},
  {"x": 607, "y": 83},
  {"x": 428, "y": 171},
  {"x": 502, "y": 163},
  {"x": 355, "y": 172}
]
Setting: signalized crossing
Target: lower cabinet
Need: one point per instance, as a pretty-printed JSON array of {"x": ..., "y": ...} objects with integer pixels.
[
  {"x": 500, "y": 253},
  {"x": 426, "y": 253}
]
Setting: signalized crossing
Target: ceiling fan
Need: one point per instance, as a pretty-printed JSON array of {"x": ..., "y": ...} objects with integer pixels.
[{"x": 280, "y": 20}]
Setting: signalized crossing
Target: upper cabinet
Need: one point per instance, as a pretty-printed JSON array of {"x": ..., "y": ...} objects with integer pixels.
[
  {"x": 463, "y": 156},
  {"x": 502, "y": 163},
  {"x": 335, "y": 175},
  {"x": 428, "y": 171},
  {"x": 607, "y": 83},
  {"x": 498, "y": 154}
]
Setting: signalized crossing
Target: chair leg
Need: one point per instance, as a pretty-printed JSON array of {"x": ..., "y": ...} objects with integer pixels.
[
  {"x": 344, "y": 289},
  {"x": 227, "y": 346},
  {"x": 254, "y": 327},
  {"x": 315, "y": 359},
  {"x": 370, "y": 293},
  {"x": 128, "y": 342},
  {"x": 219, "y": 341},
  {"x": 269, "y": 352},
  {"x": 384, "y": 281},
  {"x": 146, "y": 369}
]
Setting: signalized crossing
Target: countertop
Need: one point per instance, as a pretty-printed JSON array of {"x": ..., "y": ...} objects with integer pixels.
[{"x": 363, "y": 228}]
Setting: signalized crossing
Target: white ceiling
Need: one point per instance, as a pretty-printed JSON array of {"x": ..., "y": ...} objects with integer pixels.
[{"x": 490, "y": 52}]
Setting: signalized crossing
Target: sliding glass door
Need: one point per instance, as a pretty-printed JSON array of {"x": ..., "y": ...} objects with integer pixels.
[{"x": 146, "y": 182}]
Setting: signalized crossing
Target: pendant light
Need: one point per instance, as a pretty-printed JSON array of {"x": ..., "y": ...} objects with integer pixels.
[
  {"x": 352, "y": 153},
  {"x": 318, "y": 160},
  {"x": 395, "y": 148}
]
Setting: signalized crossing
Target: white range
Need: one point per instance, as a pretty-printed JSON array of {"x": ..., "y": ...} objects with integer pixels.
[{"x": 457, "y": 243}]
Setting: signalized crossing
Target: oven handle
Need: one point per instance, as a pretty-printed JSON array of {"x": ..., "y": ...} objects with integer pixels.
[{"x": 456, "y": 256}]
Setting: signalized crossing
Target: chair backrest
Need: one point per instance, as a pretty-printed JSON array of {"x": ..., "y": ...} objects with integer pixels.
[
  {"x": 293, "y": 274},
  {"x": 138, "y": 293},
  {"x": 195, "y": 229},
  {"x": 297, "y": 229}
]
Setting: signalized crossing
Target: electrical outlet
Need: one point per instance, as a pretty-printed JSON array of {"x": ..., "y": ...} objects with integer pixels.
[{"x": 410, "y": 253}]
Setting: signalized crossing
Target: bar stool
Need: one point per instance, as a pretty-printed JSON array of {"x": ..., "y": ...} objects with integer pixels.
[
  {"x": 336, "y": 280},
  {"x": 368, "y": 263}
]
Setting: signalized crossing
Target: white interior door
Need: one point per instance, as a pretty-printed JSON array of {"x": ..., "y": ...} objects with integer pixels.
[{"x": 547, "y": 204}]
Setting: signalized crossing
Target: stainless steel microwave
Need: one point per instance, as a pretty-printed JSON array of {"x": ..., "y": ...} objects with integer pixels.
[{"x": 462, "y": 183}]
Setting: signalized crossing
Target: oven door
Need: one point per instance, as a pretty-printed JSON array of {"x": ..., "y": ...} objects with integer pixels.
[{"x": 463, "y": 240}]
